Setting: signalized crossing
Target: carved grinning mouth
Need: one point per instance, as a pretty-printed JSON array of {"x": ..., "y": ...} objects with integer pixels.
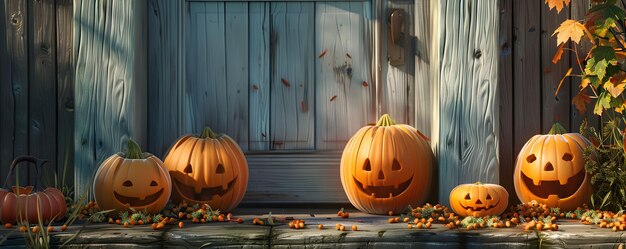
[
  {"x": 474, "y": 209},
  {"x": 548, "y": 188},
  {"x": 136, "y": 202},
  {"x": 383, "y": 191},
  {"x": 205, "y": 193}
]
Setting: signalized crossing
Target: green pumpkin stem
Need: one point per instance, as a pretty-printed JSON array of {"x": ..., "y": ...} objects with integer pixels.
[
  {"x": 385, "y": 120},
  {"x": 557, "y": 129},
  {"x": 208, "y": 133},
  {"x": 134, "y": 151},
  {"x": 478, "y": 183}
]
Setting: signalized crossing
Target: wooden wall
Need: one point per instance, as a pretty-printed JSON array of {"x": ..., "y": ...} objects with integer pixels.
[
  {"x": 36, "y": 86},
  {"x": 281, "y": 77},
  {"x": 528, "y": 79}
]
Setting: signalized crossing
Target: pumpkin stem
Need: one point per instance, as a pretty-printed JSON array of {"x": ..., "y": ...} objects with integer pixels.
[
  {"x": 557, "y": 129},
  {"x": 478, "y": 183},
  {"x": 134, "y": 151},
  {"x": 208, "y": 133},
  {"x": 385, "y": 120}
]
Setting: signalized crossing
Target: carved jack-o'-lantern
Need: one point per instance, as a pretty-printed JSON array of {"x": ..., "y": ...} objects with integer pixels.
[
  {"x": 551, "y": 170},
  {"x": 210, "y": 169},
  {"x": 479, "y": 199},
  {"x": 133, "y": 180},
  {"x": 386, "y": 167}
]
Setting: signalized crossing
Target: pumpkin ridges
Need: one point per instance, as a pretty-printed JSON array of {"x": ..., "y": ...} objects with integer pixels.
[{"x": 235, "y": 153}]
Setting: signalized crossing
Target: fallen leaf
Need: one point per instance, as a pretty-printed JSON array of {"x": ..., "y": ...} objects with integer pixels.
[
  {"x": 333, "y": 97},
  {"x": 304, "y": 107},
  {"x": 285, "y": 82},
  {"x": 569, "y": 29},
  {"x": 364, "y": 83},
  {"x": 558, "y": 54},
  {"x": 580, "y": 101},
  {"x": 558, "y": 4},
  {"x": 323, "y": 53}
]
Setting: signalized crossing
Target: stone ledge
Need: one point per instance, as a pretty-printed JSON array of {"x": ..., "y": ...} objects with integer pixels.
[{"x": 374, "y": 232}]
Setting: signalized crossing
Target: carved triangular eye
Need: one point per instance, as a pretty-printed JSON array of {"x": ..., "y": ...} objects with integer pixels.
[
  {"x": 568, "y": 157},
  {"x": 396, "y": 165},
  {"x": 489, "y": 197},
  {"x": 366, "y": 165},
  {"x": 153, "y": 184},
  {"x": 188, "y": 169},
  {"x": 467, "y": 197},
  {"x": 531, "y": 158},
  {"x": 127, "y": 184}
]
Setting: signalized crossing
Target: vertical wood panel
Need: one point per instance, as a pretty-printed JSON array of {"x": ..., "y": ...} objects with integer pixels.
[
  {"x": 6, "y": 112},
  {"x": 527, "y": 71},
  {"x": 259, "y": 76},
  {"x": 555, "y": 108},
  {"x": 578, "y": 11},
  {"x": 42, "y": 89},
  {"x": 468, "y": 95},
  {"x": 65, "y": 93},
  {"x": 423, "y": 85},
  {"x": 344, "y": 93},
  {"x": 165, "y": 84},
  {"x": 14, "y": 92},
  {"x": 506, "y": 107},
  {"x": 292, "y": 87},
  {"x": 110, "y": 81},
  {"x": 398, "y": 93},
  {"x": 218, "y": 60}
]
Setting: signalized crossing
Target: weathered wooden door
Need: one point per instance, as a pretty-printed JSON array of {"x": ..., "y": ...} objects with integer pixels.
[{"x": 290, "y": 81}]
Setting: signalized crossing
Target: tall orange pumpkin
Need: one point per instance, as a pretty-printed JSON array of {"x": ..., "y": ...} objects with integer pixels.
[
  {"x": 386, "y": 167},
  {"x": 551, "y": 170},
  {"x": 209, "y": 169},
  {"x": 133, "y": 180}
]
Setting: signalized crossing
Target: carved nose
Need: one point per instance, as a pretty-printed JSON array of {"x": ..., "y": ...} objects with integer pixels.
[
  {"x": 548, "y": 167},
  {"x": 381, "y": 176},
  {"x": 479, "y": 202}
]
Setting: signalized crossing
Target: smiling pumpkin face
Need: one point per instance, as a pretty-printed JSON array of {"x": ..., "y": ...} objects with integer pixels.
[
  {"x": 551, "y": 170},
  {"x": 386, "y": 167},
  {"x": 479, "y": 199},
  {"x": 141, "y": 183},
  {"x": 209, "y": 169}
]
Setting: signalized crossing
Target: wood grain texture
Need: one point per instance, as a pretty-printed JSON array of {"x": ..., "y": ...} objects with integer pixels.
[
  {"x": 423, "y": 23},
  {"x": 217, "y": 59},
  {"x": 344, "y": 90},
  {"x": 555, "y": 108},
  {"x": 165, "y": 80},
  {"x": 468, "y": 148},
  {"x": 42, "y": 86},
  {"x": 110, "y": 81},
  {"x": 505, "y": 87},
  {"x": 292, "y": 109},
  {"x": 14, "y": 91},
  {"x": 276, "y": 178},
  {"x": 259, "y": 76},
  {"x": 527, "y": 72},
  {"x": 398, "y": 82},
  {"x": 65, "y": 93}
]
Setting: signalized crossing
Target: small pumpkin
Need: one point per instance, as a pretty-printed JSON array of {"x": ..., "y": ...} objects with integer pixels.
[
  {"x": 386, "y": 167},
  {"x": 133, "y": 180},
  {"x": 208, "y": 169},
  {"x": 50, "y": 202},
  {"x": 551, "y": 170},
  {"x": 479, "y": 199}
]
